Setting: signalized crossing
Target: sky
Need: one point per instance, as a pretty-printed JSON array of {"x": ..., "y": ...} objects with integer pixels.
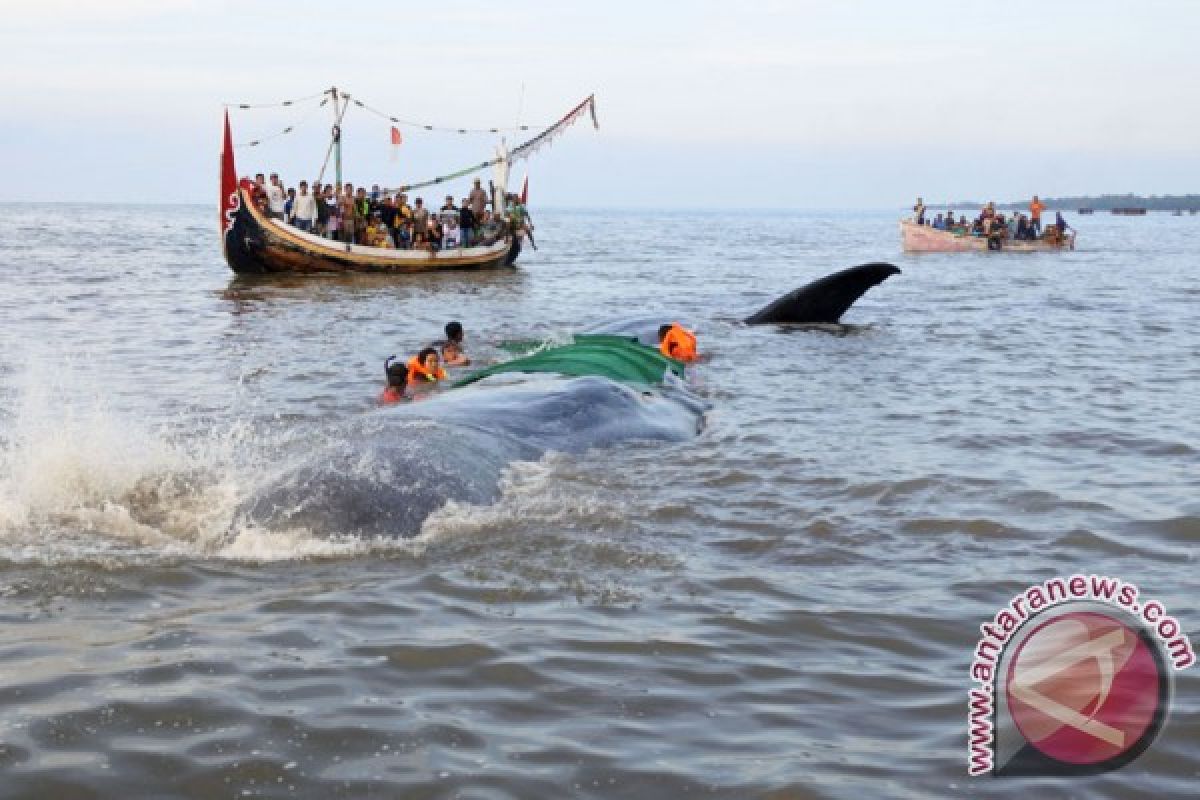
[{"x": 757, "y": 104}]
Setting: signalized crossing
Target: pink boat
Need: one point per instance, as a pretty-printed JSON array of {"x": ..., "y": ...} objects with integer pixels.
[{"x": 924, "y": 239}]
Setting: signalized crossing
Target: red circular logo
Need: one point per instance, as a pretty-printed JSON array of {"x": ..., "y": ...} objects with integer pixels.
[{"x": 1084, "y": 688}]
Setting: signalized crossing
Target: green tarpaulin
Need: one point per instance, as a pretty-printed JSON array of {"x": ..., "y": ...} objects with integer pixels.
[{"x": 620, "y": 358}]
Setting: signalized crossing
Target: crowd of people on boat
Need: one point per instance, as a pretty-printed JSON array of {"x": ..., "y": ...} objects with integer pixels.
[
  {"x": 994, "y": 225},
  {"x": 378, "y": 218},
  {"x": 407, "y": 379}
]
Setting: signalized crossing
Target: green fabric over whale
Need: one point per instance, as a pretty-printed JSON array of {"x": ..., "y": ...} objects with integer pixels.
[{"x": 619, "y": 358}]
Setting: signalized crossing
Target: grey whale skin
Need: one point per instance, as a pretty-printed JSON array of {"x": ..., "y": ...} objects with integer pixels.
[{"x": 382, "y": 474}]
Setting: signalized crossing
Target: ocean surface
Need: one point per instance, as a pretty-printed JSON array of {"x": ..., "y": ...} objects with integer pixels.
[{"x": 784, "y": 606}]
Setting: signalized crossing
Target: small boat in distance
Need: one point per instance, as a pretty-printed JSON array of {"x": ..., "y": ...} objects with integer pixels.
[
  {"x": 1087, "y": 211},
  {"x": 1129, "y": 212},
  {"x": 925, "y": 239},
  {"x": 254, "y": 242}
]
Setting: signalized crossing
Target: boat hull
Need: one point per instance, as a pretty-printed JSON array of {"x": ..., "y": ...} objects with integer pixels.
[
  {"x": 924, "y": 239},
  {"x": 255, "y": 244}
]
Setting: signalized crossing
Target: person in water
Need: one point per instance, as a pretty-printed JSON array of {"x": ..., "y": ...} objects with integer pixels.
[
  {"x": 677, "y": 342},
  {"x": 397, "y": 380},
  {"x": 453, "y": 356},
  {"x": 425, "y": 367}
]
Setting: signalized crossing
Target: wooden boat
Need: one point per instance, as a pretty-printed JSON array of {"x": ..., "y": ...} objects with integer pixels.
[
  {"x": 924, "y": 239},
  {"x": 253, "y": 242},
  {"x": 1129, "y": 212},
  {"x": 1087, "y": 211}
]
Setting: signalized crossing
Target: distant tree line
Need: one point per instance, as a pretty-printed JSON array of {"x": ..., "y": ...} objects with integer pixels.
[{"x": 1105, "y": 202}]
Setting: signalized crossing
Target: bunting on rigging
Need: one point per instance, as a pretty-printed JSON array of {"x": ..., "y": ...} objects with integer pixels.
[{"x": 524, "y": 150}]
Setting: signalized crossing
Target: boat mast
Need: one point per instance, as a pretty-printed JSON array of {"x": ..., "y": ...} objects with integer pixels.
[
  {"x": 335, "y": 142},
  {"x": 337, "y": 139}
]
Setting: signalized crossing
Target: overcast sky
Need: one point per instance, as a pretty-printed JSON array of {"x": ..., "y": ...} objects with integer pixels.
[{"x": 754, "y": 104}]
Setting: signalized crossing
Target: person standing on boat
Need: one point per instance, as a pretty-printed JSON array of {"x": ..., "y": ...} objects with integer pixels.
[
  {"x": 304, "y": 209},
  {"x": 420, "y": 217},
  {"x": 466, "y": 223},
  {"x": 519, "y": 219},
  {"x": 918, "y": 212},
  {"x": 1036, "y": 207},
  {"x": 362, "y": 214},
  {"x": 346, "y": 214},
  {"x": 478, "y": 199},
  {"x": 276, "y": 197}
]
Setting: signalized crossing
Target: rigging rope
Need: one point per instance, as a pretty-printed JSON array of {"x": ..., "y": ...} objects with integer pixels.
[
  {"x": 428, "y": 127},
  {"x": 288, "y": 129},
  {"x": 276, "y": 105},
  {"x": 523, "y": 150}
]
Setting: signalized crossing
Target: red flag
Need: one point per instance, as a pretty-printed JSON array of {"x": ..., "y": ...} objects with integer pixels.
[
  {"x": 525, "y": 190},
  {"x": 397, "y": 139}
]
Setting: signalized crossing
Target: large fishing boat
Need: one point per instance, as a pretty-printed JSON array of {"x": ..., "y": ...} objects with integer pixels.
[
  {"x": 254, "y": 242},
  {"x": 924, "y": 239}
]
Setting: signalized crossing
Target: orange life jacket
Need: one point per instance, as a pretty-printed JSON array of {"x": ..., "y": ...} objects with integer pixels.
[
  {"x": 418, "y": 372},
  {"x": 679, "y": 343}
]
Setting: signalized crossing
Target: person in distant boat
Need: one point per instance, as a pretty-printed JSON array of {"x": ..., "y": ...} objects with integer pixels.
[
  {"x": 453, "y": 356},
  {"x": 424, "y": 368},
  {"x": 677, "y": 342},
  {"x": 466, "y": 223},
  {"x": 1022, "y": 233},
  {"x": 449, "y": 204},
  {"x": 452, "y": 234},
  {"x": 478, "y": 199},
  {"x": 403, "y": 209},
  {"x": 276, "y": 197},
  {"x": 420, "y": 217},
  {"x": 519, "y": 220},
  {"x": 1036, "y": 207},
  {"x": 435, "y": 233},
  {"x": 346, "y": 214},
  {"x": 919, "y": 211},
  {"x": 939, "y": 222},
  {"x": 397, "y": 379},
  {"x": 362, "y": 214},
  {"x": 319, "y": 198},
  {"x": 304, "y": 209},
  {"x": 404, "y": 235},
  {"x": 1061, "y": 225}
]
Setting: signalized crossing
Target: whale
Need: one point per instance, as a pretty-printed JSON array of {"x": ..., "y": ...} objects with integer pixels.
[
  {"x": 383, "y": 473},
  {"x": 821, "y": 302},
  {"x": 826, "y": 299}
]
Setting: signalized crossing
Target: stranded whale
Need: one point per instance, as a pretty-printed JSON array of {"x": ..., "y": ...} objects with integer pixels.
[{"x": 384, "y": 473}]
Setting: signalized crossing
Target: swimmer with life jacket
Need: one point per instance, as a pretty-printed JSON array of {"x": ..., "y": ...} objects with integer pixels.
[
  {"x": 397, "y": 380},
  {"x": 424, "y": 368},
  {"x": 677, "y": 342}
]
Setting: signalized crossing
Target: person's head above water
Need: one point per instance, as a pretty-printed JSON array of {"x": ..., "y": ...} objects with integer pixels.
[
  {"x": 454, "y": 332},
  {"x": 397, "y": 373},
  {"x": 663, "y": 330},
  {"x": 428, "y": 358},
  {"x": 450, "y": 351}
]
